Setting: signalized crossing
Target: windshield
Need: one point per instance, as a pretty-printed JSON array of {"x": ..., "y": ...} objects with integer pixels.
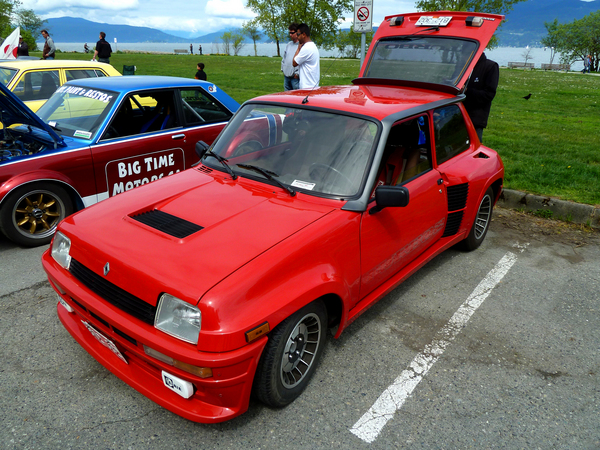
[
  {"x": 6, "y": 74},
  {"x": 313, "y": 151},
  {"x": 77, "y": 111},
  {"x": 422, "y": 58}
]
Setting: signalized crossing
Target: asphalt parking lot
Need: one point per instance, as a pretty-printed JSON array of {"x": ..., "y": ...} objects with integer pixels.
[{"x": 498, "y": 348}]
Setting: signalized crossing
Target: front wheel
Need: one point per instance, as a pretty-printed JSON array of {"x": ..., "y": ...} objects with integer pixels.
[
  {"x": 31, "y": 213},
  {"x": 291, "y": 355},
  {"x": 482, "y": 222}
]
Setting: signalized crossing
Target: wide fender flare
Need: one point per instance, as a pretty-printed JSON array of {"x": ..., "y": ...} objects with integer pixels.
[
  {"x": 272, "y": 302},
  {"x": 37, "y": 176}
]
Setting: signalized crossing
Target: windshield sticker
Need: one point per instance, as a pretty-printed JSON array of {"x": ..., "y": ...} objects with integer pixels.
[
  {"x": 303, "y": 185},
  {"x": 430, "y": 21},
  {"x": 52, "y": 123},
  {"x": 84, "y": 92},
  {"x": 82, "y": 134}
]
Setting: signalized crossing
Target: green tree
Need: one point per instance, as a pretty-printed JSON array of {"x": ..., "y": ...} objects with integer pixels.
[
  {"x": 483, "y": 6},
  {"x": 348, "y": 42},
  {"x": 322, "y": 16},
  {"x": 252, "y": 31},
  {"x": 12, "y": 16},
  {"x": 551, "y": 40},
  {"x": 237, "y": 42},
  {"x": 227, "y": 39},
  {"x": 577, "y": 39}
]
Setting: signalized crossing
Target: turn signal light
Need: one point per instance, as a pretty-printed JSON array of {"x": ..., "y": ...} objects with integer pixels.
[{"x": 257, "y": 332}]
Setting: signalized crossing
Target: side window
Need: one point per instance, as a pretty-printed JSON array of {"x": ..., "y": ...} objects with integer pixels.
[
  {"x": 99, "y": 73},
  {"x": 39, "y": 85},
  {"x": 75, "y": 74},
  {"x": 407, "y": 152},
  {"x": 199, "y": 108},
  {"x": 143, "y": 113},
  {"x": 451, "y": 135}
]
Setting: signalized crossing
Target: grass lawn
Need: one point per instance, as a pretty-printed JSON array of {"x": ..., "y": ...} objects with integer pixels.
[{"x": 550, "y": 144}]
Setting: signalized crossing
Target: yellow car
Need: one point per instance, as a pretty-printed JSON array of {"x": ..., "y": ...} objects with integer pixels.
[{"x": 34, "y": 81}]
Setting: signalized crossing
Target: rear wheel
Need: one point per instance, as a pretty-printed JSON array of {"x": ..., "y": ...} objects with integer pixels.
[
  {"x": 291, "y": 356},
  {"x": 482, "y": 222},
  {"x": 31, "y": 213}
]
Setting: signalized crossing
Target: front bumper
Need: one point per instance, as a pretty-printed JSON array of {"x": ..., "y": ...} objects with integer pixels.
[{"x": 221, "y": 397}]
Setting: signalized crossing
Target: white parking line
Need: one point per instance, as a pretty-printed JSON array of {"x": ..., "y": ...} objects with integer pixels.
[{"x": 372, "y": 422}]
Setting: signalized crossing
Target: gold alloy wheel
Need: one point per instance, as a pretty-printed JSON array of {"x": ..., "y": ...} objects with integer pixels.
[{"x": 37, "y": 213}]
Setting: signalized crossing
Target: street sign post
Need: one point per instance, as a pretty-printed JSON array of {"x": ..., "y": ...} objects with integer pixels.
[{"x": 363, "y": 23}]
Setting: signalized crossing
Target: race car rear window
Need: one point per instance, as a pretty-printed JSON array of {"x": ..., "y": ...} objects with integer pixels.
[{"x": 422, "y": 58}]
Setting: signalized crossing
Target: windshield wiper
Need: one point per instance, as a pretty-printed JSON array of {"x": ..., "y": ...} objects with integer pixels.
[
  {"x": 269, "y": 175},
  {"x": 223, "y": 162}
]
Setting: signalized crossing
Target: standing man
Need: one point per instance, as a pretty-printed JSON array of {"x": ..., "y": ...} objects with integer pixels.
[
  {"x": 191, "y": 49},
  {"x": 587, "y": 62},
  {"x": 49, "y": 48},
  {"x": 23, "y": 48},
  {"x": 481, "y": 90},
  {"x": 103, "y": 49},
  {"x": 306, "y": 59},
  {"x": 291, "y": 79}
]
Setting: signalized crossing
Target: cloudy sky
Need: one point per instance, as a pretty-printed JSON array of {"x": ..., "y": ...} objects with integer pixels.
[{"x": 194, "y": 17}]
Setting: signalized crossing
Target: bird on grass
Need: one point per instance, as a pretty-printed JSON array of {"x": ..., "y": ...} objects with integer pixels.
[{"x": 528, "y": 96}]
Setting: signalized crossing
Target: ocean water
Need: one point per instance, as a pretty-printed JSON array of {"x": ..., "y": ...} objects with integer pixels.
[{"x": 502, "y": 55}]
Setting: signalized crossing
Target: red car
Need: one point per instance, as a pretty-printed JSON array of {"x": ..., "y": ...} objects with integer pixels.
[{"x": 222, "y": 280}]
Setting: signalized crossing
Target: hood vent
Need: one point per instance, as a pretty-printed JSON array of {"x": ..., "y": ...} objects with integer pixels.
[
  {"x": 204, "y": 169},
  {"x": 171, "y": 225}
]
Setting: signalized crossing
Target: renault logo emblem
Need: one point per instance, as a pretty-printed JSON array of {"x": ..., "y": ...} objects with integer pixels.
[{"x": 106, "y": 269}]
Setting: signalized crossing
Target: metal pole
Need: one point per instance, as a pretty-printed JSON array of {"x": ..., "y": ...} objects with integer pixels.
[{"x": 363, "y": 44}]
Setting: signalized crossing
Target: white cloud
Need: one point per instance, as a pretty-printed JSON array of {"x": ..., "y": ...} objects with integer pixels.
[
  {"x": 228, "y": 8},
  {"x": 53, "y": 6}
]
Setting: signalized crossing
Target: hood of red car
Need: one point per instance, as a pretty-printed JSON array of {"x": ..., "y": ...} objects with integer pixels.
[
  {"x": 438, "y": 48},
  {"x": 185, "y": 240}
]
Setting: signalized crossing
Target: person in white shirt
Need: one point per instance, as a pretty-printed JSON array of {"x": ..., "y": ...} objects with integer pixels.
[
  {"x": 306, "y": 59},
  {"x": 291, "y": 79}
]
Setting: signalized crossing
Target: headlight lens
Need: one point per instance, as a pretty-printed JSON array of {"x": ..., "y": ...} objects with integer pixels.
[
  {"x": 178, "y": 318},
  {"x": 61, "y": 246}
]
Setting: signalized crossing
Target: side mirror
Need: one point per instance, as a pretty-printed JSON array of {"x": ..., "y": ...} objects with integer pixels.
[
  {"x": 390, "y": 196},
  {"x": 201, "y": 148}
]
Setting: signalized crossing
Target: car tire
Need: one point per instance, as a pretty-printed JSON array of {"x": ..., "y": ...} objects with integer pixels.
[
  {"x": 30, "y": 214},
  {"x": 291, "y": 356},
  {"x": 482, "y": 222}
]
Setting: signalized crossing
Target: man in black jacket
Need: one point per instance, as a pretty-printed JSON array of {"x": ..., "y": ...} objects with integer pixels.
[
  {"x": 481, "y": 90},
  {"x": 103, "y": 49}
]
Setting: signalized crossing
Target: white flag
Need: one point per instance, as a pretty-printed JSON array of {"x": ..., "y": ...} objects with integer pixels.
[{"x": 10, "y": 45}]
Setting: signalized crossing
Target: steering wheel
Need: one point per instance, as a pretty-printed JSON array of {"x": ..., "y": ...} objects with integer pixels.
[{"x": 315, "y": 167}]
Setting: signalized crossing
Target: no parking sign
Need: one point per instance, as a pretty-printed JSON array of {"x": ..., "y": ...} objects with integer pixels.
[{"x": 363, "y": 16}]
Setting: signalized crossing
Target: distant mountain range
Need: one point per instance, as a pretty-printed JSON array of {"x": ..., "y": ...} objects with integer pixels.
[{"x": 524, "y": 26}]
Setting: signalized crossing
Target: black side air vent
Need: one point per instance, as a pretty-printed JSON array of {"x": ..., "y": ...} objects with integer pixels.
[
  {"x": 457, "y": 196},
  {"x": 453, "y": 223},
  {"x": 171, "y": 225}
]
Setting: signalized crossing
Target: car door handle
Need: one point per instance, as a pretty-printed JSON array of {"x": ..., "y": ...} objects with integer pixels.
[
  {"x": 440, "y": 181},
  {"x": 178, "y": 136}
]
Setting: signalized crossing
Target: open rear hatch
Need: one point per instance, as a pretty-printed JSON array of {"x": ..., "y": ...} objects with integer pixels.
[{"x": 432, "y": 50}]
